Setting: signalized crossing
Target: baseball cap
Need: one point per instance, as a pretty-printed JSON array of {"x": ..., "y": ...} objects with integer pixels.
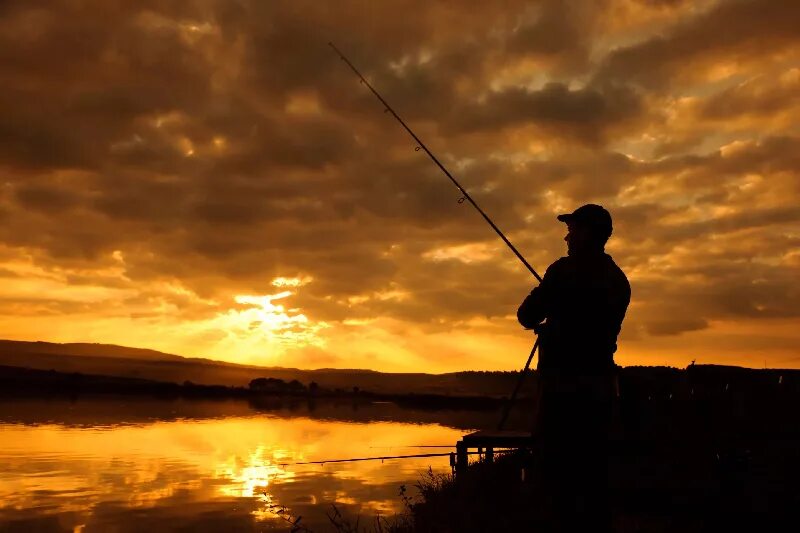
[{"x": 590, "y": 215}]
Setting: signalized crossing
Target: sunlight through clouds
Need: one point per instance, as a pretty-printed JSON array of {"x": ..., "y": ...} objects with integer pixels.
[
  {"x": 291, "y": 282},
  {"x": 466, "y": 253},
  {"x": 271, "y": 322},
  {"x": 259, "y": 324}
]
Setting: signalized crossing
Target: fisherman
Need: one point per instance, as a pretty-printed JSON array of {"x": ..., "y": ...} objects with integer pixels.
[{"x": 578, "y": 310}]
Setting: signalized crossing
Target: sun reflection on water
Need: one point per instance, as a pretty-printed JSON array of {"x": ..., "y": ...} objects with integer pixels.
[{"x": 251, "y": 478}]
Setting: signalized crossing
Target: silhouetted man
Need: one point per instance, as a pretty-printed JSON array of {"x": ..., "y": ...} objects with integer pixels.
[{"x": 578, "y": 311}]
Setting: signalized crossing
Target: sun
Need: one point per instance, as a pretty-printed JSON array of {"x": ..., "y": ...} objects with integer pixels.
[{"x": 264, "y": 323}]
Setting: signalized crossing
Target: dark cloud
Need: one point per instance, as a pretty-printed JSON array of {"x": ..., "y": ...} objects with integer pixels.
[
  {"x": 586, "y": 113},
  {"x": 757, "y": 96},
  {"x": 557, "y": 33},
  {"x": 748, "y": 30},
  {"x": 44, "y": 198}
]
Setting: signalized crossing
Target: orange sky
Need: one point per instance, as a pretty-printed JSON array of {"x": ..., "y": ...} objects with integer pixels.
[{"x": 207, "y": 178}]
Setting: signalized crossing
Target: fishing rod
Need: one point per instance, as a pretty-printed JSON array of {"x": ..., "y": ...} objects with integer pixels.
[
  {"x": 383, "y": 458},
  {"x": 387, "y": 457},
  {"x": 421, "y": 146},
  {"x": 520, "y": 380},
  {"x": 415, "y": 446},
  {"x": 466, "y": 196}
]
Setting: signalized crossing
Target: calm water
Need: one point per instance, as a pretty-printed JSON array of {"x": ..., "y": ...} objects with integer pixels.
[{"x": 149, "y": 465}]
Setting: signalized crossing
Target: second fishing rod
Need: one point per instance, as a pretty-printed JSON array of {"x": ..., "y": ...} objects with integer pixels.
[{"x": 465, "y": 196}]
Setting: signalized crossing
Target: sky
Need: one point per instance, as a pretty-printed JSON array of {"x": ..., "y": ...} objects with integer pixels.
[{"x": 208, "y": 178}]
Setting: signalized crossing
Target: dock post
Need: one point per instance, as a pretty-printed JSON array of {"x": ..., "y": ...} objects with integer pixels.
[
  {"x": 489, "y": 454},
  {"x": 461, "y": 457}
]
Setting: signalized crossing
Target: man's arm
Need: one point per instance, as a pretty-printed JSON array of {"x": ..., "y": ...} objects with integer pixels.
[{"x": 536, "y": 306}]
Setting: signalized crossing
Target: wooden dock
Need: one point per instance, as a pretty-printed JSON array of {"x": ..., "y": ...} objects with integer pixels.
[{"x": 487, "y": 442}]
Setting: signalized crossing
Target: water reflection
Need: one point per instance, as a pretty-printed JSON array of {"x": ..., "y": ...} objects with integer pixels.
[
  {"x": 251, "y": 479},
  {"x": 221, "y": 473}
]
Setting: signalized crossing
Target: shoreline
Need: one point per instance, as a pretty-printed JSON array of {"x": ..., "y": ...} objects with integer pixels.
[{"x": 36, "y": 383}]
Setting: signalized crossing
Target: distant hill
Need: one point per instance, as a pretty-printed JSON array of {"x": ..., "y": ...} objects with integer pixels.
[
  {"x": 122, "y": 361},
  {"x": 84, "y": 349}
]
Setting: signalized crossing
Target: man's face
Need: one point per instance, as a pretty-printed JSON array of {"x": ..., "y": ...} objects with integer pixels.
[{"x": 578, "y": 238}]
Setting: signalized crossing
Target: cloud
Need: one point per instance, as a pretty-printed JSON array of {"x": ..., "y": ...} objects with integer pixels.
[
  {"x": 675, "y": 326},
  {"x": 730, "y": 36},
  {"x": 759, "y": 95},
  {"x": 164, "y": 159},
  {"x": 584, "y": 114}
]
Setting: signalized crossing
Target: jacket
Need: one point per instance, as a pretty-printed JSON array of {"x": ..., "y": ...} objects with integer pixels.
[{"x": 583, "y": 300}]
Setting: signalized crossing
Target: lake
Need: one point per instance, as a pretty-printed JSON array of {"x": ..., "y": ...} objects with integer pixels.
[{"x": 137, "y": 465}]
